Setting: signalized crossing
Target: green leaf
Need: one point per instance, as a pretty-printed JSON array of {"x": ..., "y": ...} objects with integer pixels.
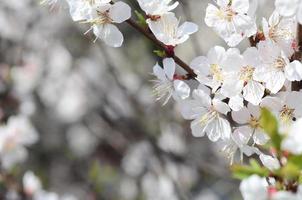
[
  {"x": 160, "y": 53},
  {"x": 270, "y": 125},
  {"x": 94, "y": 171},
  {"x": 244, "y": 171},
  {"x": 296, "y": 160},
  {"x": 140, "y": 19},
  {"x": 290, "y": 171}
]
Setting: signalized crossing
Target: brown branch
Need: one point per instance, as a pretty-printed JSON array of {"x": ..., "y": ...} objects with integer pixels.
[
  {"x": 297, "y": 85},
  {"x": 299, "y": 37},
  {"x": 147, "y": 34}
]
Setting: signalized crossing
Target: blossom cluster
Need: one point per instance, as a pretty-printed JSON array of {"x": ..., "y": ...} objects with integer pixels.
[
  {"x": 233, "y": 86},
  {"x": 32, "y": 188}
]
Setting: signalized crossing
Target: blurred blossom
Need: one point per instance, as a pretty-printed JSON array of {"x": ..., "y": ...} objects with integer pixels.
[
  {"x": 172, "y": 141},
  {"x": 158, "y": 187},
  {"x": 81, "y": 141},
  {"x": 44, "y": 195},
  {"x": 17, "y": 134},
  {"x": 206, "y": 194},
  {"x": 186, "y": 176},
  {"x": 25, "y": 77},
  {"x": 128, "y": 189},
  {"x": 31, "y": 183},
  {"x": 136, "y": 158}
]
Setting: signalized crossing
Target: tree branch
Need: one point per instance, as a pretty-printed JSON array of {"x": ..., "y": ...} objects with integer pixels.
[
  {"x": 299, "y": 37},
  {"x": 145, "y": 32}
]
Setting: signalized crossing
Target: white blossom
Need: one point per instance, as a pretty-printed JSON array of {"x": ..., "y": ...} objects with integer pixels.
[
  {"x": 167, "y": 29},
  {"x": 230, "y": 20},
  {"x": 166, "y": 85},
  {"x": 208, "y": 115},
  {"x": 249, "y": 118},
  {"x": 102, "y": 16},
  {"x": 253, "y": 188},
  {"x": 293, "y": 140},
  {"x": 290, "y": 8},
  {"x": 270, "y": 162},
  {"x": 157, "y": 7},
  {"x": 276, "y": 67},
  {"x": 240, "y": 75},
  {"x": 31, "y": 183},
  {"x": 281, "y": 31},
  {"x": 209, "y": 69},
  {"x": 17, "y": 134},
  {"x": 286, "y": 106}
]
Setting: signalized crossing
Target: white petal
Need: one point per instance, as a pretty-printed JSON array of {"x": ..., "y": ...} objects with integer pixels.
[
  {"x": 275, "y": 82},
  {"x": 191, "y": 109},
  {"x": 197, "y": 128},
  {"x": 242, "y": 135},
  {"x": 187, "y": 28},
  {"x": 231, "y": 87},
  {"x": 120, "y": 12},
  {"x": 221, "y": 107},
  {"x": 211, "y": 17},
  {"x": 270, "y": 162},
  {"x": 286, "y": 8},
  {"x": 223, "y": 3},
  {"x": 254, "y": 110},
  {"x": 240, "y": 6},
  {"x": 159, "y": 72},
  {"x": 110, "y": 34},
  {"x": 293, "y": 71},
  {"x": 242, "y": 116},
  {"x": 299, "y": 14},
  {"x": 273, "y": 103},
  {"x": 260, "y": 137},
  {"x": 216, "y": 55},
  {"x": 218, "y": 128},
  {"x": 236, "y": 103},
  {"x": 253, "y": 92},
  {"x": 169, "y": 67},
  {"x": 254, "y": 188},
  {"x": 202, "y": 97},
  {"x": 251, "y": 57},
  {"x": 182, "y": 90},
  {"x": 293, "y": 141}
]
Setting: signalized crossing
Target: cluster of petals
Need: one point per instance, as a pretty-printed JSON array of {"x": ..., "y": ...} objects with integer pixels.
[
  {"x": 290, "y": 8},
  {"x": 33, "y": 189},
  {"x": 102, "y": 16},
  {"x": 256, "y": 187},
  {"x": 164, "y": 24},
  {"x": 231, "y": 20},
  {"x": 15, "y": 136},
  {"x": 166, "y": 85}
]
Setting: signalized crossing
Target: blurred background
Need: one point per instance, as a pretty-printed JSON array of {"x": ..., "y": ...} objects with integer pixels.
[{"x": 102, "y": 135}]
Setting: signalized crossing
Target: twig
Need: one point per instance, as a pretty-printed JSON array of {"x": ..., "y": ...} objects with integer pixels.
[{"x": 145, "y": 32}]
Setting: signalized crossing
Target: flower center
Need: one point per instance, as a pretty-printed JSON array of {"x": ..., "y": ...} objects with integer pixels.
[
  {"x": 91, "y": 2},
  {"x": 226, "y": 14},
  {"x": 254, "y": 122},
  {"x": 276, "y": 33},
  {"x": 246, "y": 73},
  {"x": 209, "y": 116},
  {"x": 162, "y": 88},
  {"x": 103, "y": 17},
  {"x": 286, "y": 114},
  {"x": 216, "y": 72},
  {"x": 279, "y": 63}
]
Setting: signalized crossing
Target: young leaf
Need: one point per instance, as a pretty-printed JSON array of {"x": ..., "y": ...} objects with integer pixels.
[
  {"x": 140, "y": 19},
  {"x": 160, "y": 53},
  {"x": 270, "y": 125}
]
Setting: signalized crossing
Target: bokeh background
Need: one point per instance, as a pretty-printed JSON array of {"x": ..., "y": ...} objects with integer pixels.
[{"x": 102, "y": 135}]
